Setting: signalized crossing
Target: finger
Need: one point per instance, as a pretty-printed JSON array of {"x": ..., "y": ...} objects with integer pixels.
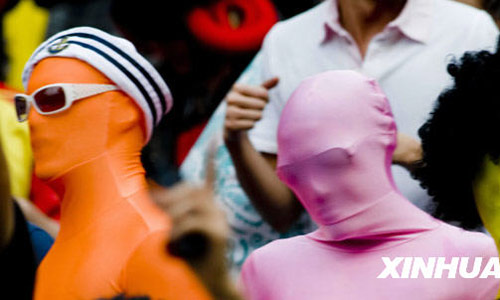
[
  {"x": 157, "y": 192},
  {"x": 270, "y": 83},
  {"x": 206, "y": 225},
  {"x": 184, "y": 209},
  {"x": 251, "y": 90},
  {"x": 240, "y": 100},
  {"x": 210, "y": 175},
  {"x": 167, "y": 198},
  {"x": 236, "y": 125},
  {"x": 236, "y": 113}
]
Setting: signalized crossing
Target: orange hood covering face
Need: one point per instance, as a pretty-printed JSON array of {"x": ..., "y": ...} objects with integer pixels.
[
  {"x": 103, "y": 123},
  {"x": 112, "y": 237}
]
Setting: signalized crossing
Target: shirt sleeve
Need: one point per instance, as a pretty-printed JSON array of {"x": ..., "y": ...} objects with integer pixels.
[
  {"x": 264, "y": 134},
  {"x": 485, "y": 33},
  {"x": 41, "y": 241}
]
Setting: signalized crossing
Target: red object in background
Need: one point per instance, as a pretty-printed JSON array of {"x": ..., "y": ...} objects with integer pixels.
[
  {"x": 45, "y": 198},
  {"x": 213, "y": 27},
  {"x": 186, "y": 140},
  {"x": 6, "y": 5},
  {"x": 2, "y": 4}
]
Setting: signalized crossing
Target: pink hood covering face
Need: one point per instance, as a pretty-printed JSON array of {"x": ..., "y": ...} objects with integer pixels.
[{"x": 335, "y": 143}]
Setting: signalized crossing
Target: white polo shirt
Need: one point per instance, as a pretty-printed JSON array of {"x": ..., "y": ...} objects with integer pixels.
[{"x": 408, "y": 58}]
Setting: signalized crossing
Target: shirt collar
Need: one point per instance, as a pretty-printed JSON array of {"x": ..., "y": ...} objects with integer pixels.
[
  {"x": 331, "y": 22},
  {"x": 414, "y": 21}
]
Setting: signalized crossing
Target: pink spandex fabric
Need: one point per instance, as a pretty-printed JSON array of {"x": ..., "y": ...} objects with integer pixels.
[{"x": 335, "y": 143}]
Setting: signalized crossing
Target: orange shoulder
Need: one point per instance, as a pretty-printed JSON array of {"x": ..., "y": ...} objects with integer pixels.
[{"x": 151, "y": 271}]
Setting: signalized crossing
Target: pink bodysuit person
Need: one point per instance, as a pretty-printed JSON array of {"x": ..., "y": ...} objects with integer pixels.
[{"x": 336, "y": 138}]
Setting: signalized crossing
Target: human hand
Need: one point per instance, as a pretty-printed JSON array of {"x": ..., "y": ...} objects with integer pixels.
[
  {"x": 408, "y": 152},
  {"x": 200, "y": 232},
  {"x": 245, "y": 104}
]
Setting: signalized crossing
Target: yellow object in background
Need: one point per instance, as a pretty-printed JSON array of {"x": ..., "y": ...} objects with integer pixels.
[
  {"x": 487, "y": 195},
  {"x": 16, "y": 146},
  {"x": 24, "y": 29}
]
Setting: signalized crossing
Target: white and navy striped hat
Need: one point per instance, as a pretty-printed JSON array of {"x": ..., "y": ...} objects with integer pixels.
[{"x": 116, "y": 58}]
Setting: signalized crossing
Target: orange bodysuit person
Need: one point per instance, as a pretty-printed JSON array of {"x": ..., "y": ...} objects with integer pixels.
[{"x": 112, "y": 238}]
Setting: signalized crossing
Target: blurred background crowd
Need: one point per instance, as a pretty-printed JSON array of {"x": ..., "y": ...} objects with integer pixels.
[
  {"x": 200, "y": 48},
  {"x": 203, "y": 67}
]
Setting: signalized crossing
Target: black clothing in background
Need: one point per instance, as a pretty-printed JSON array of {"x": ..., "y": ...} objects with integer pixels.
[
  {"x": 64, "y": 14},
  {"x": 5, "y": 6},
  {"x": 199, "y": 77},
  {"x": 290, "y": 8},
  {"x": 17, "y": 262}
]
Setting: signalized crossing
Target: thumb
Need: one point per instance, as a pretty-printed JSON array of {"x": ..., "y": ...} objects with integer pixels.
[{"x": 270, "y": 83}]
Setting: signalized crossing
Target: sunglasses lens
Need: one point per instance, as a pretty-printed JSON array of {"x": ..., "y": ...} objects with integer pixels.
[
  {"x": 50, "y": 99},
  {"x": 21, "y": 108}
]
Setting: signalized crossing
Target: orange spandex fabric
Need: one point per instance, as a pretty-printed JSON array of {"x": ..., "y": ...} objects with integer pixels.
[{"x": 112, "y": 237}]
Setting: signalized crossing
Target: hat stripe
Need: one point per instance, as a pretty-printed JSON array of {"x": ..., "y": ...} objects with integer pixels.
[
  {"x": 131, "y": 60},
  {"x": 130, "y": 76},
  {"x": 113, "y": 73},
  {"x": 121, "y": 53}
]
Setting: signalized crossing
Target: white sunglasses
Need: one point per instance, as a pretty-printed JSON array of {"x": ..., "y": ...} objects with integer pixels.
[{"x": 54, "y": 98}]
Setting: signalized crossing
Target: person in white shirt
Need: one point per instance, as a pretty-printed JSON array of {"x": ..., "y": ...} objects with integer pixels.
[{"x": 404, "y": 45}]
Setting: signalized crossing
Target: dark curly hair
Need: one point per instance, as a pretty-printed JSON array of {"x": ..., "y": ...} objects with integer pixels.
[{"x": 462, "y": 130}]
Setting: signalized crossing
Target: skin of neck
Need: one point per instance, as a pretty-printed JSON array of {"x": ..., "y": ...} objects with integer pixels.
[
  {"x": 363, "y": 19},
  {"x": 89, "y": 153}
]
